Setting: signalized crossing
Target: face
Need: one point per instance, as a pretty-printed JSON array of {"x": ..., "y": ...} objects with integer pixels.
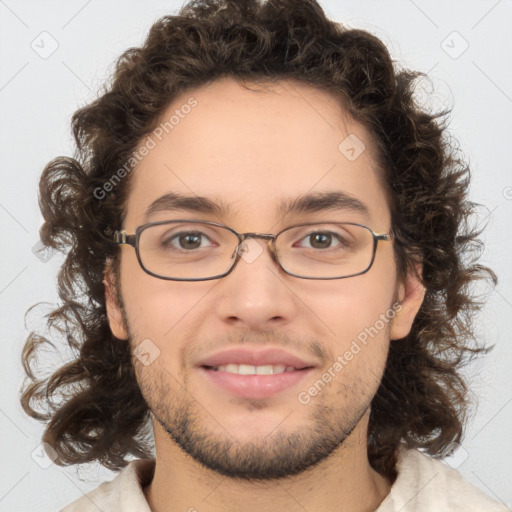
[{"x": 251, "y": 151}]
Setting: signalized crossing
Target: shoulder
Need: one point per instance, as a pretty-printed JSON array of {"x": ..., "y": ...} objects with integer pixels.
[
  {"x": 123, "y": 493},
  {"x": 426, "y": 484}
]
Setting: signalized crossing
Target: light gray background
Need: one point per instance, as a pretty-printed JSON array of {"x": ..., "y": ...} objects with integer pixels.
[{"x": 38, "y": 96}]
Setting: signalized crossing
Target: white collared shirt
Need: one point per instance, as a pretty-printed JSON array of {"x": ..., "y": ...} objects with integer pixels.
[{"x": 423, "y": 484}]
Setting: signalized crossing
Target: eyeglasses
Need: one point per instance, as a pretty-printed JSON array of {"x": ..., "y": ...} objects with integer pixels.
[{"x": 191, "y": 250}]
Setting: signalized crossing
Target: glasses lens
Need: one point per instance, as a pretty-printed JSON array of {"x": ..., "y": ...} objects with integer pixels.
[
  {"x": 325, "y": 250},
  {"x": 187, "y": 250}
]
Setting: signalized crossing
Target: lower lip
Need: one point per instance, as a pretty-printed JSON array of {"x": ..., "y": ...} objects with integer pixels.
[{"x": 255, "y": 386}]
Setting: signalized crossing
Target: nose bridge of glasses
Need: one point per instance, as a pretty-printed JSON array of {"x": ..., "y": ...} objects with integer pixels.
[{"x": 264, "y": 236}]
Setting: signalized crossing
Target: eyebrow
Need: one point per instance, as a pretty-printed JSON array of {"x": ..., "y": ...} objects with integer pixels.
[
  {"x": 306, "y": 203},
  {"x": 173, "y": 201},
  {"x": 324, "y": 201}
]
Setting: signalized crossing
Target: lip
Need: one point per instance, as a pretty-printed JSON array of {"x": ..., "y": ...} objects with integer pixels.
[
  {"x": 254, "y": 386},
  {"x": 267, "y": 356}
]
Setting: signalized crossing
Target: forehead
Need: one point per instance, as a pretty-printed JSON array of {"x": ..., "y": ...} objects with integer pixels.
[{"x": 256, "y": 154}]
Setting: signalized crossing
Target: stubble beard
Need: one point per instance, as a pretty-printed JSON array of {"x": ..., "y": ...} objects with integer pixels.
[{"x": 271, "y": 456}]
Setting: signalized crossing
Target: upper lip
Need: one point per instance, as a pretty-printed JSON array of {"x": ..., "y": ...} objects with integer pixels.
[{"x": 272, "y": 356}]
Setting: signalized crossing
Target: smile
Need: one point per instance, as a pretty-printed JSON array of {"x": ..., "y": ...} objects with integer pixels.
[
  {"x": 248, "y": 369},
  {"x": 257, "y": 382}
]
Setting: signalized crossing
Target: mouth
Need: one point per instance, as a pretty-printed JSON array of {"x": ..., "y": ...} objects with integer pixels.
[
  {"x": 254, "y": 382},
  {"x": 248, "y": 369},
  {"x": 252, "y": 385},
  {"x": 254, "y": 374},
  {"x": 248, "y": 361}
]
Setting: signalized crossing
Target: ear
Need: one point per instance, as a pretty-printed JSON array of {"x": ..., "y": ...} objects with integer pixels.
[
  {"x": 410, "y": 295},
  {"x": 115, "y": 318}
]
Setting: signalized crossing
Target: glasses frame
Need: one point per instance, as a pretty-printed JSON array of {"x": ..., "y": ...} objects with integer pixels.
[{"x": 121, "y": 237}]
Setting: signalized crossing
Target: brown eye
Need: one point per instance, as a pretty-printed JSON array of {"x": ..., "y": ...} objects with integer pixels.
[
  {"x": 324, "y": 240},
  {"x": 185, "y": 240},
  {"x": 320, "y": 240}
]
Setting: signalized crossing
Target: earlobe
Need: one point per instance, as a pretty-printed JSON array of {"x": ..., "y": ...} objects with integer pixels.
[
  {"x": 114, "y": 315},
  {"x": 410, "y": 295}
]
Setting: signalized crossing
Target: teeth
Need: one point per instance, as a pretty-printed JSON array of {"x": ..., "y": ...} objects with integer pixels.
[{"x": 248, "y": 369}]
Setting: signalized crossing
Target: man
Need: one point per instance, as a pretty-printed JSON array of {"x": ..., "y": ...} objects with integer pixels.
[{"x": 268, "y": 260}]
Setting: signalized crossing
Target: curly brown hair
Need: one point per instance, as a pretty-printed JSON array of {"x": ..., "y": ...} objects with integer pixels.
[{"x": 92, "y": 405}]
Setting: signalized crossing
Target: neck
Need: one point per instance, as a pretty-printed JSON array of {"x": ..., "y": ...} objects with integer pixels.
[{"x": 344, "y": 481}]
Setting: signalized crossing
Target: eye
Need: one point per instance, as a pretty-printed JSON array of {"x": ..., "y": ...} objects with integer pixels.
[
  {"x": 324, "y": 240},
  {"x": 186, "y": 240}
]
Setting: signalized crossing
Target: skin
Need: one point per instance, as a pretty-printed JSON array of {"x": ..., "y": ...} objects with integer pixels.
[{"x": 289, "y": 147}]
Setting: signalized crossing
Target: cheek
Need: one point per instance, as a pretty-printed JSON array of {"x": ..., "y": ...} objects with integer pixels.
[
  {"x": 360, "y": 353},
  {"x": 160, "y": 313},
  {"x": 158, "y": 323},
  {"x": 154, "y": 306},
  {"x": 356, "y": 316},
  {"x": 346, "y": 307}
]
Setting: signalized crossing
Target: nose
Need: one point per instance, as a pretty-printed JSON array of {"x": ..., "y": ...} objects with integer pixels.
[{"x": 257, "y": 292}]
